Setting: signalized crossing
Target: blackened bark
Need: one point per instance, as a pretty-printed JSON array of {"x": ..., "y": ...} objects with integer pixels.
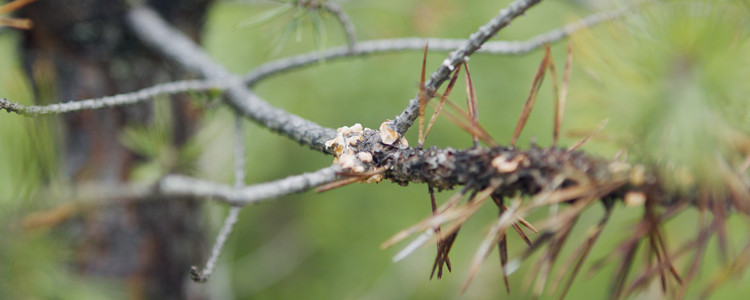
[{"x": 85, "y": 48}]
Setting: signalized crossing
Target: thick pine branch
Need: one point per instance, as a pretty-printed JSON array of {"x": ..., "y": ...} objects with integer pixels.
[
  {"x": 171, "y": 43},
  {"x": 551, "y": 176},
  {"x": 269, "y": 69}
]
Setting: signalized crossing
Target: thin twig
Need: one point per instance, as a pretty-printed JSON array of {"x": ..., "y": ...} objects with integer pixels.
[
  {"x": 171, "y": 43},
  {"x": 276, "y": 67},
  {"x": 402, "y": 122},
  {"x": 371, "y": 47},
  {"x": 116, "y": 100},
  {"x": 346, "y": 22},
  {"x": 234, "y": 211},
  {"x": 178, "y": 185},
  {"x": 239, "y": 153},
  {"x": 221, "y": 239}
]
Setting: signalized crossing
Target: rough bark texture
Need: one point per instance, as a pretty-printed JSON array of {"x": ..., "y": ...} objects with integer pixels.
[
  {"x": 84, "y": 49},
  {"x": 518, "y": 171}
]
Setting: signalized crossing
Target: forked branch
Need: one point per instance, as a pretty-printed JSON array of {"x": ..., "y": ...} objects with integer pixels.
[
  {"x": 234, "y": 211},
  {"x": 549, "y": 176},
  {"x": 266, "y": 70},
  {"x": 402, "y": 122},
  {"x": 155, "y": 32}
]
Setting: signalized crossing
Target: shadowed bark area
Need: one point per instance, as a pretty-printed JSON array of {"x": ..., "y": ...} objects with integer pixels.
[{"x": 82, "y": 49}]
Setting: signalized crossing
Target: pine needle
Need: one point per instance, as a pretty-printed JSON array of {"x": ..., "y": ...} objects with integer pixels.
[{"x": 538, "y": 78}]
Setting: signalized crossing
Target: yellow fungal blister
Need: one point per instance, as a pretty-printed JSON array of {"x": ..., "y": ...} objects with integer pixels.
[
  {"x": 503, "y": 165},
  {"x": 364, "y": 157},
  {"x": 346, "y": 156},
  {"x": 388, "y": 136}
]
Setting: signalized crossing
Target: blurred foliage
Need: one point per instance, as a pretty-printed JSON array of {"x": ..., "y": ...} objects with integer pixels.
[
  {"x": 34, "y": 262},
  {"x": 294, "y": 17},
  {"x": 153, "y": 142},
  {"x": 323, "y": 246},
  {"x": 674, "y": 88}
]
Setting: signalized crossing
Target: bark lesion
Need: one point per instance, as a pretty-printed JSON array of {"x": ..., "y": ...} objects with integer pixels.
[{"x": 517, "y": 180}]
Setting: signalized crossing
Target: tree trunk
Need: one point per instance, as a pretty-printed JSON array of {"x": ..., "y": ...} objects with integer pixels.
[{"x": 81, "y": 49}]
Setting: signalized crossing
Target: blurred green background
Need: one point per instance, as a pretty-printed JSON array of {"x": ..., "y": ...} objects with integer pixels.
[{"x": 327, "y": 246}]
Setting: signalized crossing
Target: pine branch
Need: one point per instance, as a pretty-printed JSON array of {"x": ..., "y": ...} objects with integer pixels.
[
  {"x": 234, "y": 211},
  {"x": 239, "y": 152},
  {"x": 402, "y": 122},
  {"x": 174, "y": 186},
  {"x": 346, "y": 22},
  {"x": 171, "y": 43},
  {"x": 276, "y": 67},
  {"x": 158, "y": 34},
  {"x": 112, "y": 101},
  {"x": 178, "y": 185},
  {"x": 550, "y": 176},
  {"x": 221, "y": 239},
  {"x": 371, "y": 47},
  {"x": 570, "y": 28}
]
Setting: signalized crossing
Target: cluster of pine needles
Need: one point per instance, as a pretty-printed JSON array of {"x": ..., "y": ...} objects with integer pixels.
[{"x": 522, "y": 181}]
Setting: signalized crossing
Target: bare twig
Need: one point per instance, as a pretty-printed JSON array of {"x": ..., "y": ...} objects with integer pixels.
[
  {"x": 299, "y": 61},
  {"x": 175, "y": 186},
  {"x": 178, "y": 185},
  {"x": 234, "y": 211},
  {"x": 346, "y": 22},
  {"x": 221, "y": 239},
  {"x": 155, "y": 32},
  {"x": 502, "y": 166},
  {"x": 413, "y": 44},
  {"x": 402, "y": 122},
  {"x": 116, "y": 100},
  {"x": 570, "y": 28},
  {"x": 239, "y": 153}
]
